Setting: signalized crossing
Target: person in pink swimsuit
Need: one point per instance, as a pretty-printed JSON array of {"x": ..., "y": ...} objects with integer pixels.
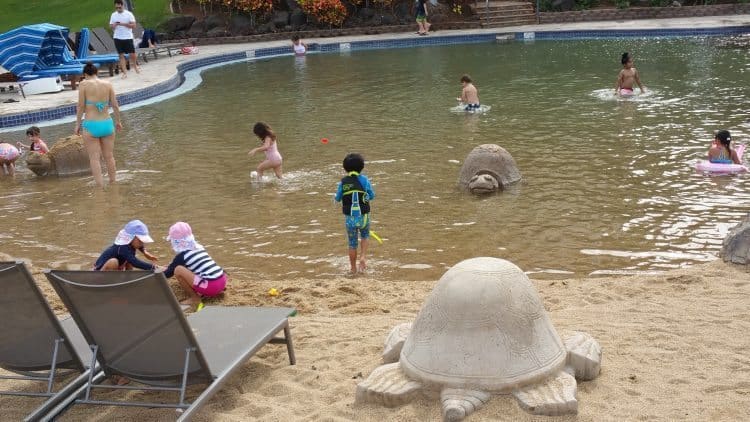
[
  {"x": 270, "y": 147},
  {"x": 8, "y": 156}
]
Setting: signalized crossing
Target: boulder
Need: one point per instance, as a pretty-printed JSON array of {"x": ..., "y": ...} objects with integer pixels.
[
  {"x": 280, "y": 18},
  {"x": 563, "y": 5},
  {"x": 488, "y": 168},
  {"x": 214, "y": 21},
  {"x": 297, "y": 19},
  {"x": 218, "y": 32},
  {"x": 736, "y": 246},
  {"x": 67, "y": 157},
  {"x": 178, "y": 23},
  {"x": 366, "y": 13},
  {"x": 387, "y": 20},
  {"x": 197, "y": 30},
  {"x": 240, "y": 25}
]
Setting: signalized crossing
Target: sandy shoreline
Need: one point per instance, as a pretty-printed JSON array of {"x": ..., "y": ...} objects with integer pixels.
[{"x": 674, "y": 349}]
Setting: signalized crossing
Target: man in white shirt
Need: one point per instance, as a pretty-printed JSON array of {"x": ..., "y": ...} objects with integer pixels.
[{"x": 122, "y": 23}]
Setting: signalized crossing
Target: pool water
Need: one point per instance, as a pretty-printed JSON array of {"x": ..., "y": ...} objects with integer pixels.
[{"x": 608, "y": 185}]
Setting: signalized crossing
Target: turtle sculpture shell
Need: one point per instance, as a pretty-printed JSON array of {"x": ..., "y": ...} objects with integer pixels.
[{"x": 483, "y": 326}]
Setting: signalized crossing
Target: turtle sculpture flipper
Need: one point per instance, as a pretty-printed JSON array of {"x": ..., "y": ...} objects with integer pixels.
[{"x": 483, "y": 331}]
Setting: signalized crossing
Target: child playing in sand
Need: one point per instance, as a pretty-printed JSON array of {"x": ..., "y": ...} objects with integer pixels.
[
  {"x": 197, "y": 273},
  {"x": 721, "y": 152},
  {"x": 469, "y": 94},
  {"x": 628, "y": 75},
  {"x": 8, "y": 156},
  {"x": 121, "y": 255},
  {"x": 37, "y": 144},
  {"x": 355, "y": 193},
  {"x": 270, "y": 147},
  {"x": 299, "y": 47}
]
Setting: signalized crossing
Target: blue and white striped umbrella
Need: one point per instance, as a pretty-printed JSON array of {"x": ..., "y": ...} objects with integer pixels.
[{"x": 34, "y": 47}]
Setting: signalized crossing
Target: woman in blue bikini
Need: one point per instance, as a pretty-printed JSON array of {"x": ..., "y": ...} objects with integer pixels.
[{"x": 95, "y": 97}]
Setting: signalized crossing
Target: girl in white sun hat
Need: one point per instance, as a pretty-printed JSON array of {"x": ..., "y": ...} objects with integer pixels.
[
  {"x": 121, "y": 255},
  {"x": 197, "y": 273}
]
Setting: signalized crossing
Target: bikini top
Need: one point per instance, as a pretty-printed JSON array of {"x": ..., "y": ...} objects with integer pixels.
[{"x": 100, "y": 105}]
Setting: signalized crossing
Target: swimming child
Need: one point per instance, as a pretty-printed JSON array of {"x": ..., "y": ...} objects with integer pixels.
[
  {"x": 300, "y": 48},
  {"x": 628, "y": 75},
  {"x": 355, "y": 193},
  {"x": 721, "y": 152},
  {"x": 121, "y": 255},
  {"x": 197, "y": 273},
  {"x": 37, "y": 144},
  {"x": 469, "y": 94},
  {"x": 270, "y": 147}
]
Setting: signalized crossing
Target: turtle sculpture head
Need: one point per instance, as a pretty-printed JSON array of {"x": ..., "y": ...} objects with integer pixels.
[
  {"x": 67, "y": 157},
  {"x": 483, "y": 331},
  {"x": 488, "y": 168}
]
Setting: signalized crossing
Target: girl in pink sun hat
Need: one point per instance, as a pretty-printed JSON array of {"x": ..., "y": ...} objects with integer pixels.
[{"x": 197, "y": 273}]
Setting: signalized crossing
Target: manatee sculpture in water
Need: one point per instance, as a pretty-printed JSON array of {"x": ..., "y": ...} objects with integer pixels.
[
  {"x": 483, "y": 331},
  {"x": 67, "y": 157},
  {"x": 736, "y": 246},
  {"x": 487, "y": 169}
]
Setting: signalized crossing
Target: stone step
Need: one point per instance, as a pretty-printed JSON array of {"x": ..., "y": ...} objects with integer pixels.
[
  {"x": 509, "y": 22},
  {"x": 491, "y": 15}
]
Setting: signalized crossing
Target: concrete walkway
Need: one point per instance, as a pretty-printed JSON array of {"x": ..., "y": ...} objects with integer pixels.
[{"x": 164, "y": 68}]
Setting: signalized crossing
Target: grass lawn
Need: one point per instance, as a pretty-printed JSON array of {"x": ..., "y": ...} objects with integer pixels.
[{"x": 77, "y": 14}]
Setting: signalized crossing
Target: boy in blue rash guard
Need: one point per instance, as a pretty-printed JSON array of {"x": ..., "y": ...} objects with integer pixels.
[
  {"x": 121, "y": 255},
  {"x": 355, "y": 193}
]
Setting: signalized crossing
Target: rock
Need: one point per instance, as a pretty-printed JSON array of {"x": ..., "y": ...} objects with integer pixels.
[
  {"x": 297, "y": 19},
  {"x": 178, "y": 23},
  {"x": 366, "y": 13},
  {"x": 488, "y": 168},
  {"x": 67, "y": 157},
  {"x": 280, "y": 18},
  {"x": 197, "y": 30},
  {"x": 736, "y": 246},
  {"x": 214, "y": 21},
  {"x": 240, "y": 25},
  {"x": 563, "y": 5},
  {"x": 387, "y": 20},
  {"x": 218, "y": 32},
  {"x": 676, "y": 4}
]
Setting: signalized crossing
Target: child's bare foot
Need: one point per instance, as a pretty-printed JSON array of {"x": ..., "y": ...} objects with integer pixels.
[
  {"x": 351, "y": 274},
  {"x": 119, "y": 380},
  {"x": 362, "y": 265},
  {"x": 124, "y": 75},
  {"x": 137, "y": 69}
]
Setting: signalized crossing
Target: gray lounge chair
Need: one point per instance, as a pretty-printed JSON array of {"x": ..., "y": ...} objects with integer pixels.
[
  {"x": 36, "y": 345},
  {"x": 137, "y": 330}
]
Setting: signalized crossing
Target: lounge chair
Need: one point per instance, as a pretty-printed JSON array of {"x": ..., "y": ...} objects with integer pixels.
[
  {"x": 138, "y": 331},
  {"x": 106, "y": 43},
  {"x": 139, "y": 32},
  {"x": 83, "y": 55},
  {"x": 36, "y": 345}
]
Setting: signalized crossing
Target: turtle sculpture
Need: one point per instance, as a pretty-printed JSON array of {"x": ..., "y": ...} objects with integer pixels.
[
  {"x": 67, "y": 157},
  {"x": 488, "y": 168},
  {"x": 483, "y": 331}
]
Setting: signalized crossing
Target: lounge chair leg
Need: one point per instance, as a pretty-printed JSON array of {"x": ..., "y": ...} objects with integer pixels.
[
  {"x": 289, "y": 346},
  {"x": 54, "y": 364}
]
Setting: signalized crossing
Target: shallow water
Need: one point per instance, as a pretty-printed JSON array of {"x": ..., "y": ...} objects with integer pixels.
[{"x": 608, "y": 183}]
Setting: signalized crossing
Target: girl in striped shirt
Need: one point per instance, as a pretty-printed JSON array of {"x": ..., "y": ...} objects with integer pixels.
[{"x": 197, "y": 273}]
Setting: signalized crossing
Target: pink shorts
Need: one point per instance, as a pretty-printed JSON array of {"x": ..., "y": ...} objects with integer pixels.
[
  {"x": 209, "y": 288},
  {"x": 625, "y": 92}
]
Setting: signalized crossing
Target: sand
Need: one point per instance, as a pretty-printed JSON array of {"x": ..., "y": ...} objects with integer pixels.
[{"x": 675, "y": 347}]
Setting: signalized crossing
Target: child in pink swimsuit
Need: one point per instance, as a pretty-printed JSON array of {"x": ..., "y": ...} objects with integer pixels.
[
  {"x": 8, "y": 156},
  {"x": 270, "y": 147}
]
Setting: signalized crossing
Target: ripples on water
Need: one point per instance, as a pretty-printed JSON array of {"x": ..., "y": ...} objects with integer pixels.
[{"x": 609, "y": 185}]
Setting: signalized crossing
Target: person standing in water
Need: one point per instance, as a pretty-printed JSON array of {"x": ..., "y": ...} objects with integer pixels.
[
  {"x": 469, "y": 94},
  {"x": 300, "y": 48},
  {"x": 95, "y": 97},
  {"x": 627, "y": 77},
  {"x": 269, "y": 147}
]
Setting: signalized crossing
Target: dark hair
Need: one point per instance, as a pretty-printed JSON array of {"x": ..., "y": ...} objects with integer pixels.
[
  {"x": 725, "y": 138},
  {"x": 119, "y": 2},
  {"x": 625, "y": 57},
  {"x": 90, "y": 69},
  {"x": 295, "y": 37},
  {"x": 263, "y": 131},
  {"x": 33, "y": 131},
  {"x": 466, "y": 78},
  {"x": 354, "y": 162}
]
